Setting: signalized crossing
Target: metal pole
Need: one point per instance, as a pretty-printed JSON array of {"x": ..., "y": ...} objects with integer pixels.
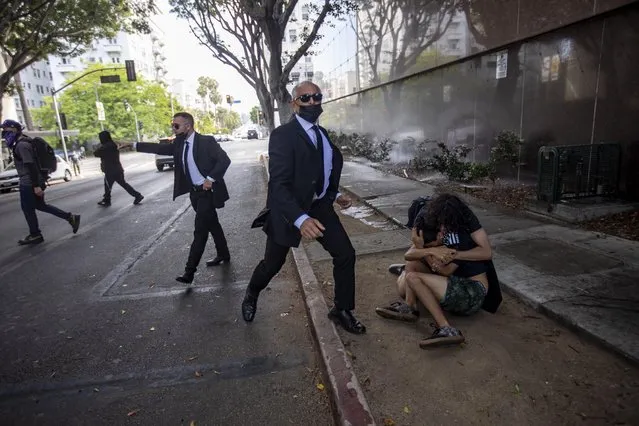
[
  {"x": 57, "y": 116},
  {"x": 137, "y": 127},
  {"x": 97, "y": 99},
  {"x": 172, "y": 110}
]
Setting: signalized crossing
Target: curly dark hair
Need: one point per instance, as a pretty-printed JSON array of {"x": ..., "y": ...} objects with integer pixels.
[
  {"x": 429, "y": 232},
  {"x": 449, "y": 211}
]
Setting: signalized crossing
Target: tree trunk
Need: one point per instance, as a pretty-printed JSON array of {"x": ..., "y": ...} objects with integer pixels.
[{"x": 28, "y": 121}]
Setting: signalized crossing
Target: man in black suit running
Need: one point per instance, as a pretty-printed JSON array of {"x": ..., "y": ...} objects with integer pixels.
[
  {"x": 305, "y": 169},
  {"x": 200, "y": 165}
]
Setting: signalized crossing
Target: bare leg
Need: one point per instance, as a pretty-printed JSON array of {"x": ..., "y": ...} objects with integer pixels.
[
  {"x": 405, "y": 292},
  {"x": 429, "y": 289}
]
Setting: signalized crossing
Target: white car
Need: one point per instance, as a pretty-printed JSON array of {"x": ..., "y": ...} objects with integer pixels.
[{"x": 9, "y": 178}]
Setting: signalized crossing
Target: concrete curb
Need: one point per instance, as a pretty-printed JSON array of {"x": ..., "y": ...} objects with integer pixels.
[
  {"x": 556, "y": 315},
  {"x": 347, "y": 397}
]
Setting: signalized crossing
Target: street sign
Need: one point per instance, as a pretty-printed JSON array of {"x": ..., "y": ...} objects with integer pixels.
[
  {"x": 110, "y": 78},
  {"x": 100, "y": 108}
]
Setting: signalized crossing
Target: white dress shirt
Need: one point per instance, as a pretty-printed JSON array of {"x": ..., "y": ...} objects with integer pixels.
[
  {"x": 195, "y": 175},
  {"x": 328, "y": 161}
]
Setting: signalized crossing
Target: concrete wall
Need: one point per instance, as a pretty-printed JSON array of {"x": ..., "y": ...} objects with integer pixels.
[{"x": 576, "y": 84}]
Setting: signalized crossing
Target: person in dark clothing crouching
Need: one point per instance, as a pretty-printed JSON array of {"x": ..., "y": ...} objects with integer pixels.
[{"x": 452, "y": 272}]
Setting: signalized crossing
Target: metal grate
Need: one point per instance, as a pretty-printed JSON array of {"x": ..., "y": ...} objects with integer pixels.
[{"x": 578, "y": 171}]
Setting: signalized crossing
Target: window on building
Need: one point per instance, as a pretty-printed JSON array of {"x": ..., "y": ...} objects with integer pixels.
[
  {"x": 292, "y": 35},
  {"x": 100, "y": 59},
  {"x": 31, "y": 102},
  {"x": 66, "y": 60},
  {"x": 41, "y": 103},
  {"x": 454, "y": 25},
  {"x": 92, "y": 60},
  {"x": 50, "y": 75},
  {"x": 305, "y": 12},
  {"x": 453, "y": 43},
  {"x": 38, "y": 73},
  {"x": 48, "y": 90},
  {"x": 35, "y": 74},
  {"x": 29, "y": 86},
  {"x": 308, "y": 58}
]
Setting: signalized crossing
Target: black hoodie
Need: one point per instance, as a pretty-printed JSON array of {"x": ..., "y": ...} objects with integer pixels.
[{"x": 109, "y": 154}]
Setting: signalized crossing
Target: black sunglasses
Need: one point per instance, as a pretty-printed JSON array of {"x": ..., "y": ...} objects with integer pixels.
[
  {"x": 317, "y": 97},
  {"x": 175, "y": 126}
]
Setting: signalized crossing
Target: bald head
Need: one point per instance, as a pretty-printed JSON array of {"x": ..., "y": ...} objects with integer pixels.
[{"x": 305, "y": 87}]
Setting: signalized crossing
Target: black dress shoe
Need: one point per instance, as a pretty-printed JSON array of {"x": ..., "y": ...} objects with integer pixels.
[
  {"x": 186, "y": 278},
  {"x": 249, "y": 307},
  {"x": 218, "y": 261},
  {"x": 347, "y": 321}
]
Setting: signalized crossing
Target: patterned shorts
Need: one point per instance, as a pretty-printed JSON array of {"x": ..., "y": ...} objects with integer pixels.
[{"x": 463, "y": 296}]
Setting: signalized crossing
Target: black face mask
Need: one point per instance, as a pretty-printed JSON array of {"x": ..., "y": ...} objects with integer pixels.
[{"x": 310, "y": 113}]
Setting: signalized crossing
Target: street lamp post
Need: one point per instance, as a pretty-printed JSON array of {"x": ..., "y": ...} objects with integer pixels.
[
  {"x": 135, "y": 116},
  {"x": 57, "y": 116}
]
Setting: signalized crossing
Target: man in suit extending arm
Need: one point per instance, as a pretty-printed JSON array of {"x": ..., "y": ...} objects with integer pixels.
[
  {"x": 200, "y": 165},
  {"x": 305, "y": 169}
]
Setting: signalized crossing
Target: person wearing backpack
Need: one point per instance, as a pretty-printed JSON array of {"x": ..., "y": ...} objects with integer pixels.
[{"x": 32, "y": 182}]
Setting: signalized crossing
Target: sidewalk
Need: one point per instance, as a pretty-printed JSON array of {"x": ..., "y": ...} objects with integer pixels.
[
  {"x": 517, "y": 367},
  {"x": 585, "y": 280}
]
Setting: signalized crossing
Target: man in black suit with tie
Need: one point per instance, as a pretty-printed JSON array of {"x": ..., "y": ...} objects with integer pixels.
[
  {"x": 200, "y": 165},
  {"x": 305, "y": 169}
]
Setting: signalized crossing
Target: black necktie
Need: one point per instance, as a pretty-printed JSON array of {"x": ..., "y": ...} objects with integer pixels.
[
  {"x": 319, "y": 185},
  {"x": 186, "y": 163}
]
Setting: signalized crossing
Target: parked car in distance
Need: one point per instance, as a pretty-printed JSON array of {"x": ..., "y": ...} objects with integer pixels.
[
  {"x": 252, "y": 134},
  {"x": 9, "y": 178},
  {"x": 164, "y": 160}
]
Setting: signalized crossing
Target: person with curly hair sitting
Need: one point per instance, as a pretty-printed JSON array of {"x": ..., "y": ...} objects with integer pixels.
[{"x": 448, "y": 268}]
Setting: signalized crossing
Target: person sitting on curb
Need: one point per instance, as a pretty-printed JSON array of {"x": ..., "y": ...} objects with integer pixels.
[
  {"x": 462, "y": 278},
  {"x": 406, "y": 309}
]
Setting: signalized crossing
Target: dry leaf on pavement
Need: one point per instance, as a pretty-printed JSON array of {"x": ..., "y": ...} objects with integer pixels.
[{"x": 320, "y": 386}]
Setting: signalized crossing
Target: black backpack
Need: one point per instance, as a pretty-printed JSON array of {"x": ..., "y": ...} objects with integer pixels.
[
  {"x": 415, "y": 207},
  {"x": 45, "y": 156}
]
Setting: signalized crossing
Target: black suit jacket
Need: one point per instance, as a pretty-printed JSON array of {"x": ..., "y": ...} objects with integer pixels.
[
  {"x": 293, "y": 168},
  {"x": 210, "y": 158}
]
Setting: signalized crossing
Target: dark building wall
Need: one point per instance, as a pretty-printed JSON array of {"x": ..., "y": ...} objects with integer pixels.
[{"x": 575, "y": 84}]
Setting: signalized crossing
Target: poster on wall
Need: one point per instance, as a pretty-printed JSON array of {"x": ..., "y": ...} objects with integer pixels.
[
  {"x": 545, "y": 69},
  {"x": 502, "y": 65},
  {"x": 447, "y": 93},
  {"x": 554, "y": 67}
]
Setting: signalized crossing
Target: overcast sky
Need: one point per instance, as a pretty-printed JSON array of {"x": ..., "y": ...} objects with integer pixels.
[{"x": 186, "y": 59}]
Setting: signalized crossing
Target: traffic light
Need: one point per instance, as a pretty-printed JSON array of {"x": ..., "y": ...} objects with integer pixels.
[
  {"x": 63, "y": 121},
  {"x": 130, "y": 70},
  {"x": 228, "y": 99}
]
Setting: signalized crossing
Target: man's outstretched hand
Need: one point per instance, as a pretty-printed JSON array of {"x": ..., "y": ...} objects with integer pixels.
[
  {"x": 312, "y": 229},
  {"x": 343, "y": 201}
]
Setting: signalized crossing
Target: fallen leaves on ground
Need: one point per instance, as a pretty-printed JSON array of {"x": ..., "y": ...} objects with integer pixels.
[
  {"x": 389, "y": 422},
  {"x": 320, "y": 386},
  {"x": 624, "y": 225},
  {"x": 133, "y": 413}
]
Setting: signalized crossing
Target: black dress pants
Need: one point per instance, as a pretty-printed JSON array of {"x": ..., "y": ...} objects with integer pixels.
[
  {"x": 110, "y": 178},
  {"x": 335, "y": 241},
  {"x": 206, "y": 221}
]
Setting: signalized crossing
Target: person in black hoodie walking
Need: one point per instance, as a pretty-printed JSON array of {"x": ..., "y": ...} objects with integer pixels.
[{"x": 109, "y": 155}]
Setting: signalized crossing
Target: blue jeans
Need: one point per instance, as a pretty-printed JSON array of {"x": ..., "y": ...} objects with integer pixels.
[{"x": 31, "y": 202}]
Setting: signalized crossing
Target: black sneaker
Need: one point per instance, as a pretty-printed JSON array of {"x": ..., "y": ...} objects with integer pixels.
[
  {"x": 398, "y": 311},
  {"x": 138, "y": 199},
  {"x": 31, "y": 239},
  {"x": 396, "y": 268},
  {"x": 74, "y": 221},
  {"x": 443, "y": 336},
  {"x": 104, "y": 203}
]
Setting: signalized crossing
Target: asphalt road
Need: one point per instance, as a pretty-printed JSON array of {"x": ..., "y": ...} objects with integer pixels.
[{"x": 95, "y": 330}]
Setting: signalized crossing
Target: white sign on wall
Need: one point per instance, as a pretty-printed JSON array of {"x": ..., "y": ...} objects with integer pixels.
[
  {"x": 545, "y": 69},
  {"x": 501, "y": 70}
]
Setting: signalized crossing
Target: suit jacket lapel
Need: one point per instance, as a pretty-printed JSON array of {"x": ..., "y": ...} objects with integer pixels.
[{"x": 303, "y": 134}]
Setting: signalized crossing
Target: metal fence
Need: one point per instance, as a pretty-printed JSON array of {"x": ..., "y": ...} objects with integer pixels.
[{"x": 578, "y": 171}]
